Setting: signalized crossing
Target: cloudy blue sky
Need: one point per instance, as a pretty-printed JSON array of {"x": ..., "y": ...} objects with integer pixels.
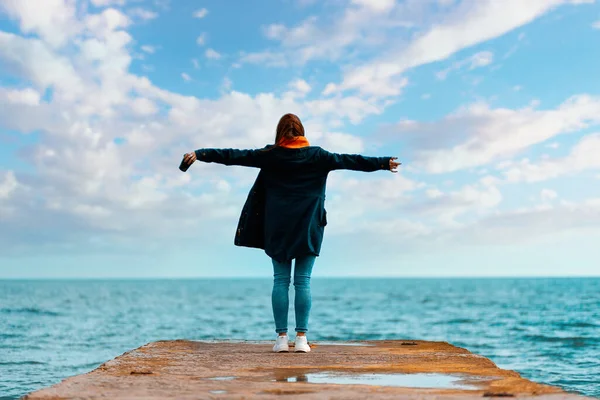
[{"x": 493, "y": 106}]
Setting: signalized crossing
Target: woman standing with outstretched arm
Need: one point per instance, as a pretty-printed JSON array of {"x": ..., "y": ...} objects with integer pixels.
[{"x": 285, "y": 214}]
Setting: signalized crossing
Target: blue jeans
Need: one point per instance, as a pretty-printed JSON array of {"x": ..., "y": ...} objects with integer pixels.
[{"x": 281, "y": 285}]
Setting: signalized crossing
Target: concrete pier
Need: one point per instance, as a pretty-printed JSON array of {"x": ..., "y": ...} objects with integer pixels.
[{"x": 339, "y": 370}]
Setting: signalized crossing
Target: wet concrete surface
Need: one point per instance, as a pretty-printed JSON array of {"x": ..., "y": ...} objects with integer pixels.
[
  {"x": 346, "y": 370},
  {"x": 422, "y": 381}
]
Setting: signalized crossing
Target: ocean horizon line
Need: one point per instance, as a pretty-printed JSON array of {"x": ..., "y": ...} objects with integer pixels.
[{"x": 399, "y": 277}]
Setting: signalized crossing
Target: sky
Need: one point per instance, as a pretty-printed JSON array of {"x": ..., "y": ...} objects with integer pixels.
[{"x": 492, "y": 106}]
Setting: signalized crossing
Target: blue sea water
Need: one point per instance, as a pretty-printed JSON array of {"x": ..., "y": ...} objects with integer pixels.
[{"x": 546, "y": 329}]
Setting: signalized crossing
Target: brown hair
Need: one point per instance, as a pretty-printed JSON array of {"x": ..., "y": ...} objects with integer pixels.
[{"x": 289, "y": 127}]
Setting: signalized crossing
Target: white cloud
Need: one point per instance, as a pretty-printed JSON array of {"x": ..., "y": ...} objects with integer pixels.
[
  {"x": 354, "y": 108},
  {"x": 481, "y": 59},
  {"x": 22, "y": 109},
  {"x": 583, "y": 156},
  {"x": 329, "y": 89},
  {"x": 53, "y": 20},
  {"x": 397, "y": 229},
  {"x": 477, "y": 135},
  {"x": 148, "y": 49},
  {"x": 203, "y": 12},
  {"x": 275, "y": 31},
  {"x": 265, "y": 58},
  {"x": 471, "y": 24},
  {"x": 456, "y": 223},
  {"x": 338, "y": 142},
  {"x": 351, "y": 199},
  {"x": 36, "y": 61},
  {"x": 108, "y": 21},
  {"x": 142, "y": 13},
  {"x": 186, "y": 77},
  {"x": 376, "y": 5},
  {"x": 513, "y": 49},
  {"x": 105, "y": 3},
  {"x": 195, "y": 63},
  {"x": 527, "y": 225},
  {"x": 446, "y": 208},
  {"x": 361, "y": 24},
  {"x": 143, "y": 106},
  {"x": 227, "y": 84},
  {"x": 477, "y": 60},
  {"x": 26, "y": 96},
  {"x": 300, "y": 87},
  {"x": 212, "y": 54},
  {"x": 381, "y": 80},
  {"x": 548, "y": 195},
  {"x": 433, "y": 193},
  {"x": 8, "y": 184},
  {"x": 201, "y": 40},
  {"x": 596, "y": 25}
]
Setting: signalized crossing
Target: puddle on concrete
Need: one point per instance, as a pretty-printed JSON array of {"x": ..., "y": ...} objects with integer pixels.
[
  {"x": 423, "y": 381},
  {"x": 222, "y": 378},
  {"x": 217, "y": 391}
]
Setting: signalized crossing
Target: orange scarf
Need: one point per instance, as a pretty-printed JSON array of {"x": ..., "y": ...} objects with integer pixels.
[{"x": 295, "y": 143}]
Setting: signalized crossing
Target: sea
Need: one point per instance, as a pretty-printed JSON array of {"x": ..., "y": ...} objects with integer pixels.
[{"x": 547, "y": 329}]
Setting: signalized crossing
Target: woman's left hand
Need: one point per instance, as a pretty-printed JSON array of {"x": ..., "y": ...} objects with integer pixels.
[
  {"x": 189, "y": 158},
  {"x": 394, "y": 164}
]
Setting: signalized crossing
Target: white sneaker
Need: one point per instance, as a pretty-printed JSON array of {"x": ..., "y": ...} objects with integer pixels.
[
  {"x": 281, "y": 344},
  {"x": 301, "y": 344}
]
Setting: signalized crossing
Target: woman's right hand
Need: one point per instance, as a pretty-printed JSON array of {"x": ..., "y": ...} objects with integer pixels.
[
  {"x": 189, "y": 158},
  {"x": 394, "y": 164}
]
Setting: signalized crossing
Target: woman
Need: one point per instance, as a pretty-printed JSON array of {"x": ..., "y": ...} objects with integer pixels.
[{"x": 285, "y": 213}]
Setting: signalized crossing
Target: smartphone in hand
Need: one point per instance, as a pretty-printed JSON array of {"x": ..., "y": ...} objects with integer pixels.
[{"x": 184, "y": 166}]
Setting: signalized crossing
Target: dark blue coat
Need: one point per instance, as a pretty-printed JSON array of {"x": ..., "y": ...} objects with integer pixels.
[{"x": 284, "y": 213}]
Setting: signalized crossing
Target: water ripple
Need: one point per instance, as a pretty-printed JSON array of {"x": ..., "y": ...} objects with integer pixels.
[
  {"x": 29, "y": 310},
  {"x": 546, "y": 329}
]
